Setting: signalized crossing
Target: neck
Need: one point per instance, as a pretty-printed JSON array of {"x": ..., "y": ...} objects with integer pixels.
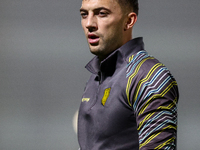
[{"x": 127, "y": 36}]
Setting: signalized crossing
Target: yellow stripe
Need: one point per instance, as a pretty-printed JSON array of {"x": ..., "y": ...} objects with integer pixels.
[
  {"x": 157, "y": 96},
  {"x": 151, "y": 114},
  {"x": 131, "y": 58},
  {"x": 146, "y": 78},
  {"x": 155, "y": 135},
  {"x": 167, "y": 142},
  {"x": 149, "y": 139},
  {"x": 131, "y": 77}
]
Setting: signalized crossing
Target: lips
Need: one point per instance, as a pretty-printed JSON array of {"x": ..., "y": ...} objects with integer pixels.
[{"x": 93, "y": 38}]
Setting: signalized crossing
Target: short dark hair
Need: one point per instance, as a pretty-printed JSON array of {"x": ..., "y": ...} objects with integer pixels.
[{"x": 129, "y": 4}]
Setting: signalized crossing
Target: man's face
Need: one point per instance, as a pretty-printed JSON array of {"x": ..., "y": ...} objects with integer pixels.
[{"x": 103, "y": 23}]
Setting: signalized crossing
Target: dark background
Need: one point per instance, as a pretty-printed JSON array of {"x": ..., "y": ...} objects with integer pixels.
[{"x": 43, "y": 52}]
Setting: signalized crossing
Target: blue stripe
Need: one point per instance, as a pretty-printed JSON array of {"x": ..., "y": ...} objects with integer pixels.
[
  {"x": 136, "y": 63},
  {"x": 149, "y": 83},
  {"x": 137, "y": 55},
  {"x": 156, "y": 129},
  {"x": 156, "y": 117},
  {"x": 159, "y": 88},
  {"x": 170, "y": 146}
]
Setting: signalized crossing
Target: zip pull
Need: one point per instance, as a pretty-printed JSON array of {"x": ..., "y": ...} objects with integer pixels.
[{"x": 99, "y": 77}]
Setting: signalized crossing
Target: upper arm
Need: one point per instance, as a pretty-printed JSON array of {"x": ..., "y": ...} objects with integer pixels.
[{"x": 155, "y": 105}]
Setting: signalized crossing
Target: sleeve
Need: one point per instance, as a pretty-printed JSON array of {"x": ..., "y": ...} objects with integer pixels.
[{"x": 155, "y": 104}]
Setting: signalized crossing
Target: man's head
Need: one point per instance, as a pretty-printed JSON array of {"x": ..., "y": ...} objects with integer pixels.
[{"x": 107, "y": 24}]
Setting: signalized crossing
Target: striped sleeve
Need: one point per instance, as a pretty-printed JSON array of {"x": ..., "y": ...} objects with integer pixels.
[{"x": 152, "y": 92}]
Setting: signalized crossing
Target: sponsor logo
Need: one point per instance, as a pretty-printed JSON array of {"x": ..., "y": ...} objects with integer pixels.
[{"x": 85, "y": 99}]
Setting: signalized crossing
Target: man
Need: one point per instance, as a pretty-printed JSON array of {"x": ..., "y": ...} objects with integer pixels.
[{"x": 130, "y": 100}]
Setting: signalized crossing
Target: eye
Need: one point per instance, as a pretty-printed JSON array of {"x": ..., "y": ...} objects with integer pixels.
[
  {"x": 84, "y": 15},
  {"x": 103, "y": 13}
]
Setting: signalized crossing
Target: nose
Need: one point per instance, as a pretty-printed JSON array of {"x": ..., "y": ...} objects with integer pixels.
[{"x": 91, "y": 23}]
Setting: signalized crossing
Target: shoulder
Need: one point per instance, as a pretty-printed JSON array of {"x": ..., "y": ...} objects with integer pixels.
[
  {"x": 142, "y": 64},
  {"x": 145, "y": 74}
]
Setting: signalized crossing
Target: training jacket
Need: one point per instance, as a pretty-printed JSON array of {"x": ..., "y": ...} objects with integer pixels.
[{"x": 129, "y": 102}]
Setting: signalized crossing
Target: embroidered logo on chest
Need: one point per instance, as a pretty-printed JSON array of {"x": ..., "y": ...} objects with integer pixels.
[{"x": 105, "y": 96}]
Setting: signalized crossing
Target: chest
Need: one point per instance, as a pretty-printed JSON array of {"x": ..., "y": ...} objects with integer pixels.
[{"x": 104, "y": 104}]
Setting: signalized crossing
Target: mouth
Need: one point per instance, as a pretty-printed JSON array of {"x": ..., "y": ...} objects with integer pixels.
[{"x": 93, "y": 39}]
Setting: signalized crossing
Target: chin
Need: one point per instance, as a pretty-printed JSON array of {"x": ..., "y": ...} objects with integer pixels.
[{"x": 94, "y": 50}]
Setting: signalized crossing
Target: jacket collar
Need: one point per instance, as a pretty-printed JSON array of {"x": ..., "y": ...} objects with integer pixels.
[{"x": 117, "y": 57}]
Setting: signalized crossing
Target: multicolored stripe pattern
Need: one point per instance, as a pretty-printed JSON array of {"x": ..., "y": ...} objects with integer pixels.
[{"x": 150, "y": 92}]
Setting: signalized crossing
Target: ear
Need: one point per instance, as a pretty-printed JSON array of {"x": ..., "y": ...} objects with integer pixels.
[{"x": 132, "y": 18}]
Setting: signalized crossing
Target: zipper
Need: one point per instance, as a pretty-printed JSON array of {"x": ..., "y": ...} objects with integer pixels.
[{"x": 98, "y": 89}]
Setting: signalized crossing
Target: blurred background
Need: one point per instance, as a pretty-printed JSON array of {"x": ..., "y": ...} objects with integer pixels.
[{"x": 43, "y": 52}]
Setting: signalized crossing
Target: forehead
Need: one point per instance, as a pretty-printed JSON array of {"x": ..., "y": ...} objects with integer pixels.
[{"x": 92, "y": 4}]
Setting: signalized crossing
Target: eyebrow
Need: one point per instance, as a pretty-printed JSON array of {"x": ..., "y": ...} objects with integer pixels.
[{"x": 96, "y": 9}]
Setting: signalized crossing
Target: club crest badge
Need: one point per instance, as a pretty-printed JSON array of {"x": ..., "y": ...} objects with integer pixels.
[{"x": 105, "y": 96}]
